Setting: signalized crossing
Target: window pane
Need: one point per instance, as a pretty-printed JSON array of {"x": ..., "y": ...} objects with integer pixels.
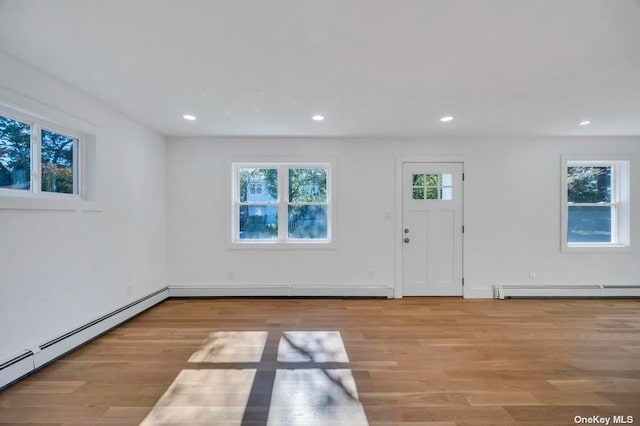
[
  {"x": 447, "y": 179},
  {"x": 418, "y": 180},
  {"x": 432, "y": 193},
  {"x": 57, "y": 162},
  {"x": 434, "y": 180},
  {"x": 258, "y": 222},
  {"x": 418, "y": 193},
  {"x": 307, "y": 185},
  {"x": 447, "y": 193},
  {"x": 589, "y": 224},
  {"x": 589, "y": 184},
  {"x": 15, "y": 154},
  {"x": 258, "y": 185},
  {"x": 307, "y": 221}
]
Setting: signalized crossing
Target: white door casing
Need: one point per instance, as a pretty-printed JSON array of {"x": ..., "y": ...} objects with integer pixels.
[{"x": 432, "y": 204}]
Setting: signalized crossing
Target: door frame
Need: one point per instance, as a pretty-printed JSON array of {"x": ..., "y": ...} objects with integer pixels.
[{"x": 400, "y": 160}]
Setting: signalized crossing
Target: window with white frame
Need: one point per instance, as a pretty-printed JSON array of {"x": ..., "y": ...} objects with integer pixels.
[
  {"x": 281, "y": 203},
  {"x": 595, "y": 204},
  {"x": 36, "y": 159}
]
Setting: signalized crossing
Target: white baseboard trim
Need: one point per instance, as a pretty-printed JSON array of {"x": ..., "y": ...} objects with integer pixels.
[
  {"x": 241, "y": 290},
  {"x": 478, "y": 292},
  {"x": 30, "y": 360},
  {"x": 566, "y": 291}
]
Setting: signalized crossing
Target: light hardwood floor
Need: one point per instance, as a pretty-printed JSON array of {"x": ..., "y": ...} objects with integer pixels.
[{"x": 432, "y": 361}]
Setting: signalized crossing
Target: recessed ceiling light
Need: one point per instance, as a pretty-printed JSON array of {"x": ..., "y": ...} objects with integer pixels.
[
  {"x": 318, "y": 117},
  {"x": 585, "y": 122},
  {"x": 446, "y": 118},
  {"x": 189, "y": 117}
]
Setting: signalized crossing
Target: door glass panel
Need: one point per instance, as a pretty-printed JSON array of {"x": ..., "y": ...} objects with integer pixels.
[
  {"x": 447, "y": 193},
  {"x": 434, "y": 180},
  {"x": 418, "y": 180},
  {"x": 432, "y": 193},
  {"x": 432, "y": 186}
]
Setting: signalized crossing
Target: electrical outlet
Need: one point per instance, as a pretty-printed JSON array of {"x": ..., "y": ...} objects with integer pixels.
[
  {"x": 532, "y": 273},
  {"x": 371, "y": 275}
]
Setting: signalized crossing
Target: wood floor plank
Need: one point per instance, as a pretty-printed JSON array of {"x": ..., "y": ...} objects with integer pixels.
[{"x": 414, "y": 361}]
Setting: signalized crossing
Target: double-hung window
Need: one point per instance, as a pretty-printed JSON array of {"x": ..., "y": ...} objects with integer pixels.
[
  {"x": 595, "y": 204},
  {"x": 37, "y": 159},
  {"x": 282, "y": 203}
]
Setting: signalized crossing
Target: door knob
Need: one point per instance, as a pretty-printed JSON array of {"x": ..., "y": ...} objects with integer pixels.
[
  {"x": 406, "y": 230},
  {"x": 406, "y": 240}
]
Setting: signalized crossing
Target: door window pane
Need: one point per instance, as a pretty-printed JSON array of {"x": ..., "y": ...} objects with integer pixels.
[
  {"x": 589, "y": 224},
  {"x": 447, "y": 193},
  {"x": 432, "y": 193},
  {"x": 307, "y": 221},
  {"x": 258, "y": 222},
  {"x": 432, "y": 186},
  {"x": 418, "y": 180},
  {"x": 57, "y": 154},
  {"x": 434, "y": 180},
  {"x": 15, "y": 154}
]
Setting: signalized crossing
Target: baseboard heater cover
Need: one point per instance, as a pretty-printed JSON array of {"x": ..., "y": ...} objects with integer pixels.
[
  {"x": 233, "y": 290},
  {"x": 30, "y": 360},
  {"x": 16, "y": 367},
  {"x": 566, "y": 291}
]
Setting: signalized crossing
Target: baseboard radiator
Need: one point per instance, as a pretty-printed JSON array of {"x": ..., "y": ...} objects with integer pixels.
[
  {"x": 283, "y": 290},
  {"x": 566, "y": 291},
  {"x": 37, "y": 357}
]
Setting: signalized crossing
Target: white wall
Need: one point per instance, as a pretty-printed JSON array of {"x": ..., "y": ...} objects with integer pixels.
[
  {"x": 60, "y": 269},
  {"x": 511, "y": 209}
]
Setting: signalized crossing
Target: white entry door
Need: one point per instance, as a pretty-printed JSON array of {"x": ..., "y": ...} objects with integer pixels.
[{"x": 432, "y": 229}]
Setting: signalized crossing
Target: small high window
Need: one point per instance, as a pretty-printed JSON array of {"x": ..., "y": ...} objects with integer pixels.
[{"x": 36, "y": 160}]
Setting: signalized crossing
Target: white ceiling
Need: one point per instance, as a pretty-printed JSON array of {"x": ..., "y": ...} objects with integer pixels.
[{"x": 373, "y": 67}]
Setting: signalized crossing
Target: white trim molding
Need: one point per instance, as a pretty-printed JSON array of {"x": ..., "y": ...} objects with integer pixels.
[
  {"x": 566, "y": 291},
  {"x": 282, "y": 290}
]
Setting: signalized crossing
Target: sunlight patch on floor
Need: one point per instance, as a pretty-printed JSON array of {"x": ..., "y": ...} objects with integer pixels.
[
  {"x": 204, "y": 396},
  {"x": 231, "y": 346},
  {"x": 313, "y": 393},
  {"x": 315, "y": 397},
  {"x": 314, "y": 346}
]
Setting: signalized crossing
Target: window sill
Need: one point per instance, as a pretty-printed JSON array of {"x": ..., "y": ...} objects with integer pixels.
[
  {"x": 596, "y": 248},
  {"x": 279, "y": 245},
  {"x": 59, "y": 203}
]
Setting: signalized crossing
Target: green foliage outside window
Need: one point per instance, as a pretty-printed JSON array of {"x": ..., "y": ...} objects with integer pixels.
[{"x": 15, "y": 154}]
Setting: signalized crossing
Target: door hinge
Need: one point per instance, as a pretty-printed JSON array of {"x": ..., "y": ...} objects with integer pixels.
[
  {"x": 463, "y": 229},
  {"x": 462, "y": 281},
  {"x": 463, "y": 177}
]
